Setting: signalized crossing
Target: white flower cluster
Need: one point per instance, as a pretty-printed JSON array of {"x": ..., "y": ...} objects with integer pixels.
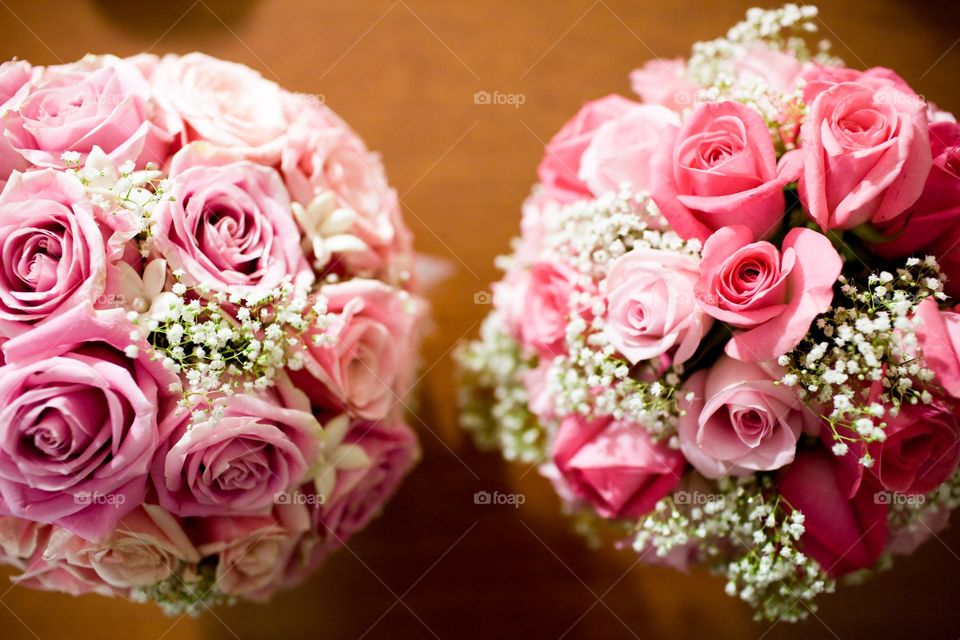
[
  {"x": 870, "y": 344},
  {"x": 748, "y": 537}
]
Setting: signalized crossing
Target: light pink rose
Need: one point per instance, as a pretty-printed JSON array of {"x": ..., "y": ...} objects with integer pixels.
[
  {"x": 865, "y": 155},
  {"x": 750, "y": 285},
  {"x": 53, "y": 249},
  {"x": 60, "y": 577},
  {"x": 79, "y": 422},
  {"x": 253, "y": 551},
  {"x": 362, "y": 365},
  {"x": 229, "y": 227},
  {"x": 20, "y": 539},
  {"x": 148, "y": 546},
  {"x": 538, "y": 397},
  {"x": 99, "y": 101},
  {"x": 842, "y": 534},
  {"x": 651, "y": 307},
  {"x": 544, "y": 307},
  {"x": 322, "y": 154},
  {"x": 739, "y": 421},
  {"x": 719, "y": 169},
  {"x": 777, "y": 69},
  {"x": 615, "y": 466},
  {"x": 239, "y": 463},
  {"x": 559, "y": 171},
  {"x": 14, "y": 76},
  {"x": 229, "y": 104},
  {"x": 663, "y": 81},
  {"x": 620, "y": 150},
  {"x": 938, "y": 336}
]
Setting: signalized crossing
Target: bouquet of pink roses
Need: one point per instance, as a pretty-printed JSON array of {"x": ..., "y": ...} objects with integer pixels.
[
  {"x": 207, "y": 323},
  {"x": 725, "y": 333}
]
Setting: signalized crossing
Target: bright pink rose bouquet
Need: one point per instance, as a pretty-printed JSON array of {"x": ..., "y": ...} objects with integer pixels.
[
  {"x": 726, "y": 331},
  {"x": 208, "y": 324}
]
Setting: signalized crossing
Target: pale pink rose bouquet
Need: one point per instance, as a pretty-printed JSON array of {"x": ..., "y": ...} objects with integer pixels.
[
  {"x": 726, "y": 334},
  {"x": 208, "y": 325}
]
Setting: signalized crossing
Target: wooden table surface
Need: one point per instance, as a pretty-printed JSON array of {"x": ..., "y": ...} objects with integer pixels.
[{"x": 404, "y": 74}]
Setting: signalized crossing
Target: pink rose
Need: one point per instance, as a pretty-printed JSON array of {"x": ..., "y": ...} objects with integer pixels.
[
  {"x": 253, "y": 551},
  {"x": 750, "y": 285},
  {"x": 719, "y": 169},
  {"x": 229, "y": 104},
  {"x": 559, "y": 171},
  {"x": 229, "y": 227},
  {"x": 79, "y": 422},
  {"x": 905, "y": 540},
  {"x": 739, "y": 420},
  {"x": 842, "y": 534},
  {"x": 865, "y": 152},
  {"x": 54, "y": 255},
  {"x": 20, "y": 539},
  {"x": 361, "y": 364},
  {"x": 621, "y": 149},
  {"x": 544, "y": 308},
  {"x": 818, "y": 78},
  {"x": 14, "y": 76},
  {"x": 147, "y": 547},
  {"x": 240, "y": 462},
  {"x": 664, "y": 82},
  {"x": 651, "y": 308},
  {"x": 99, "y": 101},
  {"x": 778, "y": 70},
  {"x": 938, "y": 336},
  {"x": 615, "y": 466}
]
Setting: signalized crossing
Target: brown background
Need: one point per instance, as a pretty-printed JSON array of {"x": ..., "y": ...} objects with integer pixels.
[{"x": 404, "y": 73}]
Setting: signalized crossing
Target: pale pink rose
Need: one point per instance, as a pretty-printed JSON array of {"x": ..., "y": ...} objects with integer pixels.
[
  {"x": 938, "y": 336},
  {"x": 615, "y": 466},
  {"x": 621, "y": 149},
  {"x": 20, "y": 539},
  {"x": 538, "y": 398},
  {"x": 651, "y": 306},
  {"x": 719, "y": 169},
  {"x": 663, "y": 81},
  {"x": 544, "y": 308},
  {"x": 60, "y": 577},
  {"x": 14, "y": 76},
  {"x": 148, "y": 546},
  {"x": 54, "y": 255},
  {"x": 775, "y": 297},
  {"x": 778, "y": 70},
  {"x": 226, "y": 103},
  {"x": 79, "y": 421},
  {"x": 865, "y": 155},
  {"x": 100, "y": 101},
  {"x": 229, "y": 226},
  {"x": 842, "y": 533},
  {"x": 559, "y": 171},
  {"x": 905, "y": 540},
  {"x": 253, "y": 551},
  {"x": 737, "y": 420},
  {"x": 361, "y": 367},
  {"x": 240, "y": 462},
  {"x": 321, "y": 154}
]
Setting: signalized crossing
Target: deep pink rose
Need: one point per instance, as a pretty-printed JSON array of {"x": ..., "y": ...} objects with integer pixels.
[
  {"x": 99, "y": 101},
  {"x": 719, "y": 169},
  {"x": 842, "y": 534},
  {"x": 239, "y": 463},
  {"x": 751, "y": 285},
  {"x": 229, "y": 104},
  {"x": 938, "y": 336},
  {"x": 229, "y": 227},
  {"x": 865, "y": 154},
  {"x": 559, "y": 171},
  {"x": 615, "y": 466},
  {"x": 362, "y": 364},
  {"x": 253, "y": 551},
  {"x": 739, "y": 420},
  {"x": 53, "y": 250},
  {"x": 79, "y": 421},
  {"x": 663, "y": 81},
  {"x": 619, "y": 153},
  {"x": 651, "y": 307}
]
